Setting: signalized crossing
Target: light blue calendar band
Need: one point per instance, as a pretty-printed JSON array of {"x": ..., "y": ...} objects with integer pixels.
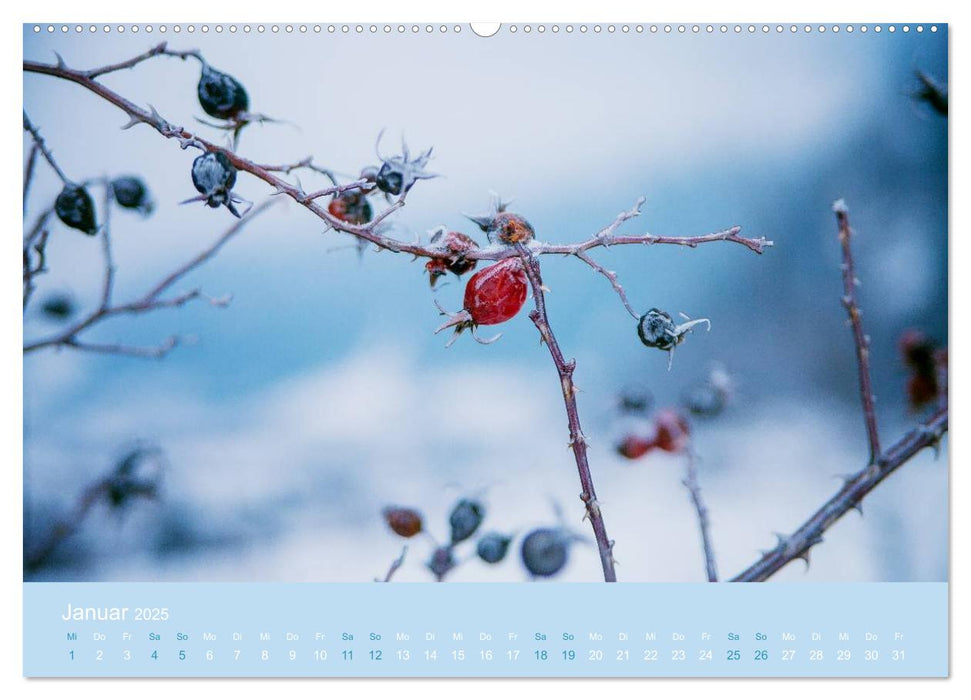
[{"x": 545, "y": 629}]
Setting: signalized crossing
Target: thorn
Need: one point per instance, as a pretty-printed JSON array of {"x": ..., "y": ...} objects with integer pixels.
[
  {"x": 60, "y": 61},
  {"x": 805, "y": 557},
  {"x": 858, "y": 507},
  {"x": 130, "y": 123}
]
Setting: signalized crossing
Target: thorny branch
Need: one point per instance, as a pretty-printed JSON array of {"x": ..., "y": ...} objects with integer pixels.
[
  {"x": 860, "y": 339},
  {"x": 881, "y": 464},
  {"x": 850, "y": 496},
  {"x": 371, "y": 233},
  {"x": 115, "y": 488},
  {"x": 35, "y": 244},
  {"x": 151, "y": 301},
  {"x": 690, "y": 482},
  {"x": 29, "y": 171},
  {"x": 45, "y": 151},
  {"x": 578, "y": 443},
  {"x": 368, "y": 232}
]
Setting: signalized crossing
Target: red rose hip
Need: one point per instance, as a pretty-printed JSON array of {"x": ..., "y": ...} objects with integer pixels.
[{"x": 493, "y": 295}]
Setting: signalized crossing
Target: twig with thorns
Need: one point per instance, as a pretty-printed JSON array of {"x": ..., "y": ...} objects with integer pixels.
[
  {"x": 881, "y": 463},
  {"x": 151, "y": 301},
  {"x": 860, "y": 339},
  {"x": 690, "y": 482},
  {"x": 367, "y": 232},
  {"x": 578, "y": 443}
]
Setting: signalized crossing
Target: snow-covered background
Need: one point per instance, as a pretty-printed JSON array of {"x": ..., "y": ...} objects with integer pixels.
[{"x": 320, "y": 395}]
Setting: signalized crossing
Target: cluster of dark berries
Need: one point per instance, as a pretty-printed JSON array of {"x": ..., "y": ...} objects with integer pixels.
[
  {"x": 668, "y": 429},
  {"x": 464, "y": 521},
  {"x": 928, "y": 368},
  {"x": 75, "y": 207},
  {"x": 544, "y": 551}
]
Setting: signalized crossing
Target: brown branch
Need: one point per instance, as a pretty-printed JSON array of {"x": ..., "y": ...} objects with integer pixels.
[
  {"x": 756, "y": 245},
  {"x": 148, "y": 302},
  {"x": 137, "y": 115},
  {"x": 395, "y": 565},
  {"x": 578, "y": 443},
  {"x": 35, "y": 242},
  {"x": 855, "y": 488},
  {"x": 109, "y": 276},
  {"x": 29, "y": 171},
  {"x": 42, "y": 145},
  {"x": 860, "y": 339},
  {"x": 368, "y": 231},
  {"x": 158, "y": 50},
  {"x": 690, "y": 482}
]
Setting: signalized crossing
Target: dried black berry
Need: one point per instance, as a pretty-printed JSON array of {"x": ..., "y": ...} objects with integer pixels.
[
  {"x": 75, "y": 208},
  {"x": 130, "y": 192},
  {"x": 58, "y": 307},
  {"x": 214, "y": 177},
  {"x": 492, "y": 547},
  {"x": 465, "y": 519},
  {"x": 658, "y": 330},
  {"x": 399, "y": 173},
  {"x": 221, "y": 95},
  {"x": 545, "y": 551},
  {"x": 705, "y": 400},
  {"x": 389, "y": 179},
  {"x": 442, "y": 562}
]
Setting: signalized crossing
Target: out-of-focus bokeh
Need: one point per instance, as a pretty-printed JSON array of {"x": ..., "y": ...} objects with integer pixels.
[{"x": 320, "y": 395}]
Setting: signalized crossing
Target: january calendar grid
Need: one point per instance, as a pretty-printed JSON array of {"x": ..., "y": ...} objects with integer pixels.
[{"x": 492, "y": 350}]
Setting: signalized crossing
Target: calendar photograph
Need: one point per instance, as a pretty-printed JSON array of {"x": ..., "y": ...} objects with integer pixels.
[{"x": 403, "y": 303}]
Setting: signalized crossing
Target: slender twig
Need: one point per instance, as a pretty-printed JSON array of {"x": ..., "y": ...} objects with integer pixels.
[
  {"x": 860, "y": 339},
  {"x": 158, "y": 50},
  {"x": 120, "y": 481},
  {"x": 109, "y": 276},
  {"x": 731, "y": 235},
  {"x": 690, "y": 482},
  {"x": 148, "y": 302},
  {"x": 850, "y": 496},
  {"x": 612, "y": 278},
  {"x": 35, "y": 243},
  {"x": 151, "y": 352},
  {"x": 29, "y": 171},
  {"x": 337, "y": 189},
  {"x": 578, "y": 443},
  {"x": 63, "y": 529},
  {"x": 395, "y": 565},
  {"x": 42, "y": 145}
]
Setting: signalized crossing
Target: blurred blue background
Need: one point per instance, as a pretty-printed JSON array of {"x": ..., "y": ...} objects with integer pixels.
[{"x": 320, "y": 394}]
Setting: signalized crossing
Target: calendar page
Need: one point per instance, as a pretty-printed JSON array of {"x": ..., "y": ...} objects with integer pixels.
[{"x": 513, "y": 350}]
